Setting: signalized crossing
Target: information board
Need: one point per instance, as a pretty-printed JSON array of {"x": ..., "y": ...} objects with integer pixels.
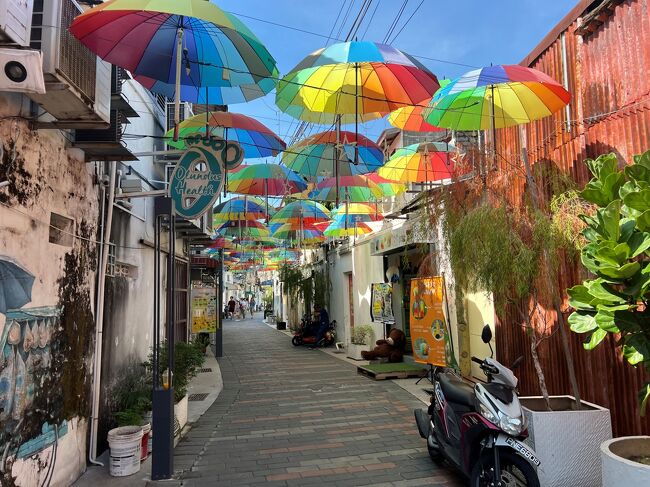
[
  {"x": 381, "y": 305},
  {"x": 204, "y": 310},
  {"x": 429, "y": 331}
]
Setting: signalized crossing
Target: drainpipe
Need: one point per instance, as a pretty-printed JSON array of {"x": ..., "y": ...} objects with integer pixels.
[{"x": 99, "y": 321}]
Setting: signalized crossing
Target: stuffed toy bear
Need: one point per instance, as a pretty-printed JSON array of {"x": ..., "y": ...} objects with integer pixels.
[{"x": 392, "y": 348}]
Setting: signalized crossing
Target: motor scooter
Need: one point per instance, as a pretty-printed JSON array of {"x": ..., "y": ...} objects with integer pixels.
[
  {"x": 478, "y": 428},
  {"x": 306, "y": 335}
]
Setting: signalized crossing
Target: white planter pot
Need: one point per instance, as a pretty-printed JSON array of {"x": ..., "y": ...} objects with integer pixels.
[
  {"x": 354, "y": 351},
  {"x": 618, "y": 471},
  {"x": 180, "y": 412},
  {"x": 567, "y": 440}
]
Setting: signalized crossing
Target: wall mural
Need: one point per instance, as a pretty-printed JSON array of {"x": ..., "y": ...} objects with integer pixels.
[{"x": 25, "y": 362}]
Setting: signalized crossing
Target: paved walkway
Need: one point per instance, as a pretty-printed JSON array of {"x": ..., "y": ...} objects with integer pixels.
[{"x": 292, "y": 416}]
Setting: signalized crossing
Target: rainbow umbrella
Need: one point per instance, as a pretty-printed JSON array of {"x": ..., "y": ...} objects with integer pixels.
[
  {"x": 255, "y": 138},
  {"x": 314, "y": 156},
  {"x": 220, "y": 243},
  {"x": 388, "y": 186},
  {"x": 305, "y": 233},
  {"x": 411, "y": 119},
  {"x": 244, "y": 230},
  {"x": 363, "y": 212},
  {"x": 307, "y": 211},
  {"x": 143, "y": 36},
  {"x": 239, "y": 208},
  {"x": 496, "y": 97},
  {"x": 420, "y": 163},
  {"x": 338, "y": 229},
  {"x": 357, "y": 80},
  {"x": 356, "y": 189},
  {"x": 266, "y": 179}
]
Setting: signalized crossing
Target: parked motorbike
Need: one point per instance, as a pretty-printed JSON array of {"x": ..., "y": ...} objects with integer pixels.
[
  {"x": 478, "y": 428},
  {"x": 306, "y": 335}
]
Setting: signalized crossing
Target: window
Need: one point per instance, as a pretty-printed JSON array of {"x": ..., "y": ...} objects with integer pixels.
[
  {"x": 122, "y": 269},
  {"x": 61, "y": 230},
  {"x": 110, "y": 263}
]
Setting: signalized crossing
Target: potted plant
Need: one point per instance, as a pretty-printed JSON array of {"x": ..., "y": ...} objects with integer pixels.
[
  {"x": 626, "y": 461},
  {"x": 362, "y": 337},
  {"x": 202, "y": 341}
]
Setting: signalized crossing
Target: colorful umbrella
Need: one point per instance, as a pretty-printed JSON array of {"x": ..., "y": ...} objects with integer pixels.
[
  {"x": 239, "y": 208},
  {"x": 338, "y": 229},
  {"x": 250, "y": 230},
  {"x": 220, "y": 243},
  {"x": 255, "y": 138},
  {"x": 496, "y": 97},
  {"x": 314, "y": 156},
  {"x": 363, "y": 212},
  {"x": 306, "y": 233},
  {"x": 410, "y": 118},
  {"x": 355, "y": 189},
  {"x": 143, "y": 36},
  {"x": 307, "y": 211},
  {"x": 266, "y": 179},
  {"x": 15, "y": 284},
  {"x": 388, "y": 186},
  {"x": 358, "y": 80},
  {"x": 420, "y": 163}
]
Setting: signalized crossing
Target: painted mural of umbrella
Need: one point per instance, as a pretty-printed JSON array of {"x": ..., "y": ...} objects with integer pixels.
[
  {"x": 307, "y": 211},
  {"x": 255, "y": 138},
  {"x": 420, "y": 163},
  {"x": 353, "y": 81},
  {"x": 388, "y": 186},
  {"x": 156, "y": 38},
  {"x": 354, "y": 189},
  {"x": 496, "y": 97},
  {"x": 314, "y": 156},
  {"x": 15, "y": 285}
]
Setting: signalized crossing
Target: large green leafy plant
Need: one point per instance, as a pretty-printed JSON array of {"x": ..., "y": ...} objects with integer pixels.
[{"x": 617, "y": 253}]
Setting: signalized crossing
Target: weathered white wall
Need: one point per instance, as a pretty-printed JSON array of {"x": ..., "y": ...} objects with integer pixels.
[
  {"x": 339, "y": 263},
  {"x": 46, "y": 176},
  {"x": 367, "y": 269}
]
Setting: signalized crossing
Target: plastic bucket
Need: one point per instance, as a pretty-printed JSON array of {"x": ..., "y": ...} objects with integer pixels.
[
  {"x": 144, "y": 447},
  {"x": 125, "y": 444}
]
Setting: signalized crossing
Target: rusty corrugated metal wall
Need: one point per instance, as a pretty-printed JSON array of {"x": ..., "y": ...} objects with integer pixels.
[{"x": 608, "y": 74}]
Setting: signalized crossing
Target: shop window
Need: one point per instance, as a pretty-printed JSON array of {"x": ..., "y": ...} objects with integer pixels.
[{"x": 61, "y": 230}]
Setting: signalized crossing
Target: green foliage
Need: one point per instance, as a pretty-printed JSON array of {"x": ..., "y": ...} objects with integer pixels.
[
  {"x": 362, "y": 334},
  {"x": 292, "y": 277},
  {"x": 131, "y": 396},
  {"x": 321, "y": 288},
  {"x": 617, "y": 252}
]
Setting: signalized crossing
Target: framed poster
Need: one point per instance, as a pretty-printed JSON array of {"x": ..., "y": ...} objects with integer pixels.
[
  {"x": 204, "y": 310},
  {"x": 429, "y": 332},
  {"x": 381, "y": 304}
]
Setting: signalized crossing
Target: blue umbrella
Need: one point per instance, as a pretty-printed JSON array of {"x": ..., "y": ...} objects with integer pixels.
[{"x": 15, "y": 285}]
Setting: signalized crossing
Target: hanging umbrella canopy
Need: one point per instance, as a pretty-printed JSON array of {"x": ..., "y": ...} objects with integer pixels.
[
  {"x": 255, "y": 138},
  {"x": 513, "y": 94},
  {"x": 420, "y": 163},
  {"x": 266, "y": 179},
  {"x": 358, "y": 80},
  {"x": 410, "y": 119},
  {"x": 305, "y": 233},
  {"x": 15, "y": 285},
  {"x": 314, "y": 156},
  {"x": 142, "y": 37},
  {"x": 355, "y": 189},
  {"x": 364, "y": 212},
  {"x": 338, "y": 229},
  {"x": 239, "y": 208},
  {"x": 388, "y": 187},
  {"x": 307, "y": 211},
  {"x": 221, "y": 243}
]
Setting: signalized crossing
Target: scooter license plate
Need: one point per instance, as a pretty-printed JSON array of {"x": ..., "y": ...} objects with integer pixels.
[{"x": 522, "y": 450}]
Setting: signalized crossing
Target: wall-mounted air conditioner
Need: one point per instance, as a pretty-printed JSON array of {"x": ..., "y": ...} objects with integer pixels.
[
  {"x": 21, "y": 70},
  {"x": 78, "y": 83},
  {"x": 15, "y": 21}
]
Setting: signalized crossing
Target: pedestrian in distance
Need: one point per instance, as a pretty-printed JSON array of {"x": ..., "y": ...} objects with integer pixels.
[
  {"x": 251, "y": 305},
  {"x": 231, "y": 307}
]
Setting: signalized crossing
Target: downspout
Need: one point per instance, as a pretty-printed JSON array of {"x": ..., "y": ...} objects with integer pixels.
[{"x": 99, "y": 321}]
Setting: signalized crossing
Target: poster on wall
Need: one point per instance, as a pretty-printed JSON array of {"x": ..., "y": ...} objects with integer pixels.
[
  {"x": 429, "y": 333},
  {"x": 204, "y": 310},
  {"x": 381, "y": 305}
]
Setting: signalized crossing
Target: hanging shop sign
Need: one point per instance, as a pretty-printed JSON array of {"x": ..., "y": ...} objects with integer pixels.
[
  {"x": 381, "y": 305},
  {"x": 204, "y": 310},
  {"x": 429, "y": 331},
  {"x": 198, "y": 178}
]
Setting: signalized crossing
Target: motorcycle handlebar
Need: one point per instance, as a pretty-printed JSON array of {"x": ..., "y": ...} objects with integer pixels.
[{"x": 477, "y": 360}]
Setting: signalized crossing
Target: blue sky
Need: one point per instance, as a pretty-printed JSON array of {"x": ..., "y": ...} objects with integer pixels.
[{"x": 471, "y": 32}]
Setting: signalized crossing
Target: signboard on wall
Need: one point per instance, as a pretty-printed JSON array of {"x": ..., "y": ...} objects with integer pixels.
[
  {"x": 429, "y": 332},
  {"x": 381, "y": 304},
  {"x": 204, "y": 310}
]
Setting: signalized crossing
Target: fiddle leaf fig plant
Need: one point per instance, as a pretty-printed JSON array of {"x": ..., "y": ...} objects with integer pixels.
[{"x": 617, "y": 253}]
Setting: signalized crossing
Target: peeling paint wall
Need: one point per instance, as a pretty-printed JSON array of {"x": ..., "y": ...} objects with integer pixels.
[{"x": 46, "y": 357}]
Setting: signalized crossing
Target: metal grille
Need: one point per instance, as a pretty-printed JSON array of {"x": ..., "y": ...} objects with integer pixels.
[
  {"x": 197, "y": 397},
  {"x": 76, "y": 62},
  {"x": 205, "y": 370}
]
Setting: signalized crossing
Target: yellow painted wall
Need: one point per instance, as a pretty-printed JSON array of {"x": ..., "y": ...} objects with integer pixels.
[{"x": 480, "y": 311}]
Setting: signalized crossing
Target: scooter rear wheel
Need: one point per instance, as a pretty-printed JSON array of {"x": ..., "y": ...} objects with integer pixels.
[
  {"x": 296, "y": 340},
  {"x": 515, "y": 470}
]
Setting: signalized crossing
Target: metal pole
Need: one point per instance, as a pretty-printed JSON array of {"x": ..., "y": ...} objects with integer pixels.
[
  {"x": 177, "y": 94},
  {"x": 218, "y": 338},
  {"x": 337, "y": 154}
]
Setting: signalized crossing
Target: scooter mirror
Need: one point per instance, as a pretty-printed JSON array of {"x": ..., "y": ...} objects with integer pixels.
[
  {"x": 486, "y": 334},
  {"x": 517, "y": 362}
]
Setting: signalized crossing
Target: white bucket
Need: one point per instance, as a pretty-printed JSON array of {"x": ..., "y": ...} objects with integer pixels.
[{"x": 125, "y": 445}]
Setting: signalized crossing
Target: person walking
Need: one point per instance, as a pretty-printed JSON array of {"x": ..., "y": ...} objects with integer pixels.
[
  {"x": 242, "y": 308},
  {"x": 251, "y": 305},
  {"x": 231, "y": 307}
]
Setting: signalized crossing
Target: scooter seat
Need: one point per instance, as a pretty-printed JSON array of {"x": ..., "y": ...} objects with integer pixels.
[{"x": 456, "y": 390}]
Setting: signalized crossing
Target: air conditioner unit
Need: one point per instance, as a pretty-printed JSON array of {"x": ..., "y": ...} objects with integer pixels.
[
  {"x": 131, "y": 185},
  {"x": 15, "y": 21},
  {"x": 21, "y": 70},
  {"x": 78, "y": 83}
]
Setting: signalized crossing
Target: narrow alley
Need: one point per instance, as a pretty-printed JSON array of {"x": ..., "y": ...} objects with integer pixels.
[{"x": 295, "y": 416}]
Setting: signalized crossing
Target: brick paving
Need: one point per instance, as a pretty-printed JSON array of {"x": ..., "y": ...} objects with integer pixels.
[{"x": 292, "y": 416}]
